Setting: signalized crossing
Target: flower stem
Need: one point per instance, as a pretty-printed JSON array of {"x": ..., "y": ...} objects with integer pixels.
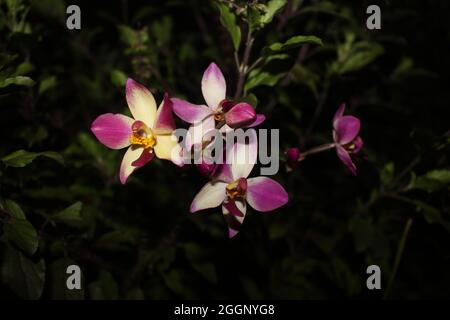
[
  {"x": 398, "y": 256},
  {"x": 243, "y": 67},
  {"x": 318, "y": 149}
]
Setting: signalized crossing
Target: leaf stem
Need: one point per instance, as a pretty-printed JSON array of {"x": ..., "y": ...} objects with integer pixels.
[
  {"x": 398, "y": 256},
  {"x": 243, "y": 67}
]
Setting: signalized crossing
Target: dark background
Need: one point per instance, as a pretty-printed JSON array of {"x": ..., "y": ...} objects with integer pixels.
[{"x": 139, "y": 241}]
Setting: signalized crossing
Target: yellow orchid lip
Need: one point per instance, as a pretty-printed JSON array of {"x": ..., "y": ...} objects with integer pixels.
[
  {"x": 237, "y": 189},
  {"x": 142, "y": 135}
]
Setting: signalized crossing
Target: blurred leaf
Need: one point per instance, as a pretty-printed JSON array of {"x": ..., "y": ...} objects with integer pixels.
[
  {"x": 304, "y": 75},
  {"x": 118, "y": 78},
  {"x": 228, "y": 20},
  {"x": 21, "y": 158},
  {"x": 431, "y": 181},
  {"x": 199, "y": 261},
  {"x": 24, "y": 276},
  {"x": 162, "y": 29},
  {"x": 355, "y": 56},
  {"x": 71, "y": 215},
  {"x": 19, "y": 80},
  {"x": 128, "y": 35},
  {"x": 258, "y": 78},
  {"x": 387, "y": 173},
  {"x": 105, "y": 288},
  {"x": 293, "y": 42},
  {"x": 18, "y": 230},
  {"x": 363, "y": 232},
  {"x": 46, "y": 84}
]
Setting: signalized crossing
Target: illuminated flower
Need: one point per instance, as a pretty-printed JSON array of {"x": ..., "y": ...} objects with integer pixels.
[
  {"x": 217, "y": 108},
  {"x": 147, "y": 134},
  {"x": 345, "y": 135},
  {"x": 233, "y": 189}
]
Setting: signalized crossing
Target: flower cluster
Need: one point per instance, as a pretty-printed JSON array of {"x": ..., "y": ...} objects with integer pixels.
[{"x": 151, "y": 131}]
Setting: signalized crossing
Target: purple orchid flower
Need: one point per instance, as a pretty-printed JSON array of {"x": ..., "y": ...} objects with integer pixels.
[
  {"x": 147, "y": 134},
  {"x": 346, "y": 139},
  {"x": 233, "y": 189}
]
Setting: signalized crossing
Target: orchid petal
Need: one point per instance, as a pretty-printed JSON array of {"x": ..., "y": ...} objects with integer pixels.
[
  {"x": 242, "y": 156},
  {"x": 210, "y": 196},
  {"x": 225, "y": 173},
  {"x": 265, "y": 194},
  {"x": 146, "y": 156},
  {"x": 167, "y": 148},
  {"x": 197, "y": 131},
  {"x": 213, "y": 86},
  {"x": 240, "y": 115},
  {"x": 126, "y": 168},
  {"x": 141, "y": 102},
  {"x": 113, "y": 130},
  {"x": 346, "y": 159},
  {"x": 189, "y": 112},
  {"x": 339, "y": 113},
  {"x": 164, "y": 123},
  {"x": 234, "y": 222},
  {"x": 346, "y": 128},
  {"x": 260, "y": 118}
]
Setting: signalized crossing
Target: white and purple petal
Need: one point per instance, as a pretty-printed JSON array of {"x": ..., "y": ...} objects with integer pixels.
[
  {"x": 265, "y": 194},
  {"x": 234, "y": 222},
  {"x": 113, "y": 130},
  {"x": 164, "y": 122},
  {"x": 189, "y": 112},
  {"x": 126, "y": 167},
  {"x": 210, "y": 196},
  {"x": 141, "y": 102},
  {"x": 260, "y": 118},
  {"x": 243, "y": 154},
  {"x": 213, "y": 86}
]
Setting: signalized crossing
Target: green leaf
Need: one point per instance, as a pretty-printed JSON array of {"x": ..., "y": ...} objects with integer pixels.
[
  {"x": 19, "y": 81},
  {"x": 228, "y": 20},
  {"x": 258, "y": 78},
  {"x": 47, "y": 84},
  {"x": 355, "y": 56},
  {"x": 294, "y": 42},
  {"x": 387, "y": 173},
  {"x": 273, "y": 6},
  {"x": 118, "y": 78},
  {"x": 19, "y": 230},
  {"x": 22, "y": 158},
  {"x": 301, "y": 74},
  {"x": 24, "y": 276},
  {"x": 431, "y": 181},
  {"x": 105, "y": 288},
  {"x": 71, "y": 215},
  {"x": 128, "y": 35}
]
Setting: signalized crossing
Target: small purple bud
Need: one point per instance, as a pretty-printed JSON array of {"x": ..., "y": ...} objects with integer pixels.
[{"x": 293, "y": 154}]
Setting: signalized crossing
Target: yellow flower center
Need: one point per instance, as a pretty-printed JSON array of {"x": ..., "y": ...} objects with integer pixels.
[
  {"x": 219, "y": 115},
  {"x": 236, "y": 189},
  {"x": 142, "y": 136}
]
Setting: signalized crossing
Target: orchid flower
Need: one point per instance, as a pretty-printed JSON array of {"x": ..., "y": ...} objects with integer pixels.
[
  {"x": 346, "y": 139},
  {"x": 147, "y": 134},
  {"x": 217, "y": 108},
  {"x": 233, "y": 189}
]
